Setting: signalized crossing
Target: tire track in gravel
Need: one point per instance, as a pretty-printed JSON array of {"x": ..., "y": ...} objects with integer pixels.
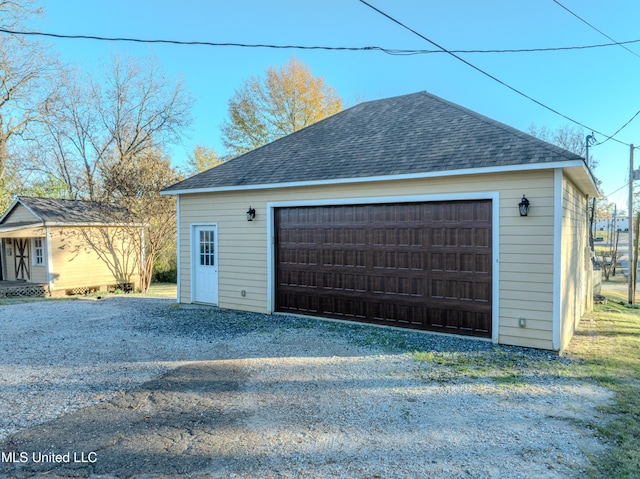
[{"x": 175, "y": 425}]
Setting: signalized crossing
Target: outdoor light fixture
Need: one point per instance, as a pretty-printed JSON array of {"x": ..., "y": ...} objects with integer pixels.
[
  {"x": 524, "y": 206},
  {"x": 251, "y": 214}
]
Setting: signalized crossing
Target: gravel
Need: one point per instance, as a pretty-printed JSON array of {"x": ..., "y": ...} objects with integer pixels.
[{"x": 310, "y": 398}]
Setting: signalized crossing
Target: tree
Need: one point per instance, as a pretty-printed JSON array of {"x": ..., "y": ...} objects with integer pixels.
[
  {"x": 131, "y": 109},
  {"x": 28, "y": 73},
  {"x": 266, "y": 108},
  {"x": 570, "y": 138},
  {"x": 202, "y": 159},
  {"x": 135, "y": 187},
  {"x": 103, "y": 140}
]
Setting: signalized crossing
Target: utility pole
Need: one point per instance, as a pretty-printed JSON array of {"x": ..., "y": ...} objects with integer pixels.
[
  {"x": 632, "y": 274},
  {"x": 590, "y": 140}
]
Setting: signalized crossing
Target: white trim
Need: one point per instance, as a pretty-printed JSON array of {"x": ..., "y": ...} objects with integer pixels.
[
  {"x": 10, "y": 229},
  {"x": 143, "y": 260},
  {"x": 495, "y": 255},
  {"x": 486, "y": 195},
  {"x": 179, "y": 270},
  {"x": 408, "y": 176},
  {"x": 105, "y": 224},
  {"x": 557, "y": 258},
  {"x": 195, "y": 251},
  {"x": 35, "y": 256},
  {"x": 494, "y": 196},
  {"x": 3, "y": 259},
  {"x": 271, "y": 242},
  {"x": 49, "y": 270}
]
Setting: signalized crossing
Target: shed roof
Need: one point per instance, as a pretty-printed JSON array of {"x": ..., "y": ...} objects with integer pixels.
[
  {"x": 52, "y": 211},
  {"x": 400, "y": 136}
]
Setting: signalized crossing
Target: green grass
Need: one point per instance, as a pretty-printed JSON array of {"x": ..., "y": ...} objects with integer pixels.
[
  {"x": 498, "y": 366},
  {"x": 156, "y": 290},
  {"x": 21, "y": 300},
  {"x": 165, "y": 290},
  {"x": 608, "y": 346}
]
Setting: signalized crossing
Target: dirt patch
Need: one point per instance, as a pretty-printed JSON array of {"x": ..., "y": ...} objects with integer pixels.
[{"x": 143, "y": 431}]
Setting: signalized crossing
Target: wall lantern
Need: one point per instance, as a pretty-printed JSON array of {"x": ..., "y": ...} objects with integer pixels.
[
  {"x": 524, "y": 206},
  {"x": 251, "y": 214}
]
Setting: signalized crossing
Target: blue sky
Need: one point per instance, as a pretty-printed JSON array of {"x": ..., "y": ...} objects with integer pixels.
[{"x": 598, "y": 87}]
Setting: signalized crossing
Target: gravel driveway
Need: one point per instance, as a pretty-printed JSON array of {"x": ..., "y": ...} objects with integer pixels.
[{"x": 135, "y": 387}]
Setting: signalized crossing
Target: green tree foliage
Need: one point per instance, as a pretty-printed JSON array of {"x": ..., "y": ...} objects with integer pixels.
[{"x": 283, "y": 101}]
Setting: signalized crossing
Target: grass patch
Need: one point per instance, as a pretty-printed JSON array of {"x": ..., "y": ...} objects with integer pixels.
[
  {"x": 156, "y": 290},
  {"x": 503, "y": 367},
  {"x": 607, "y": 344},
  {"x": 22, "y": 300},
  {"x": 164, "y": 290}
]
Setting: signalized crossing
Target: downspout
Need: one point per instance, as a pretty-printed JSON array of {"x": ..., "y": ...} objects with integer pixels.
[
  {"x": 557, "y": 258},
  {"x": 49, "y": 269},
  {"x": 179, "y": 271},
  {"x": 143, "y": 260}
]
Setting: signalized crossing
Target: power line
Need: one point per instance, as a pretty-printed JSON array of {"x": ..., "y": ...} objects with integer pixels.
[
  {"x": 593, "y": 27},
  {"x": 494, "y": 78},
  {"x": 614, "y": 192},
  {"x": 616, "y": 43},
  {"x": 619, "y": 130},
  {"x": 390, "y": 51}
]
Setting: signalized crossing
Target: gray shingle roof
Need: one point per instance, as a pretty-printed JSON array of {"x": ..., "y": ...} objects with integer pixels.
[
  {"x": 416, "y": 133},
  {"x": 53, "y": 210}
]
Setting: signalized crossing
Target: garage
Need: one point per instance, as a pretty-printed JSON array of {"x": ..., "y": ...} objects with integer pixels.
[{"x": 415, "y": 265}]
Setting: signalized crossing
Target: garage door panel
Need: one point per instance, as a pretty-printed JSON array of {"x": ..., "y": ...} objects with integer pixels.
[{"x": 416, "y": 265}]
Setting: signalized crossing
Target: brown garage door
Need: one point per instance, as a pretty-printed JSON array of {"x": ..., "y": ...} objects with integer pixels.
[{"x": 415, "y": 265}]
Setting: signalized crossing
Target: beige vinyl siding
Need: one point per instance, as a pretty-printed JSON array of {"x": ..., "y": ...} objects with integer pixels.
[
  {"x": 76, "y": 265},
  {"x": 575, "y": 279},
  {"x": 38, "y": 272},
  {"x": 20, "y": 214},
  {"x": 525, "y": 243}
]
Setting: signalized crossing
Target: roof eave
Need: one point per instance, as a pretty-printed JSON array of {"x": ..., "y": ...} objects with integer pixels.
[{"x": 587, "y": 183}]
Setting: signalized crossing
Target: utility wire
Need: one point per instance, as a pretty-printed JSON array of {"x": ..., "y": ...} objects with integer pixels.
[
  {"x": 593, "y": 27},
  {"x": 613, "y": 40},
  {"x": 619, "y": 130},
  {"x": 496, "y": 79},
  {"x": 615, "y": 191},
  {"x": 390, "y": 51}
]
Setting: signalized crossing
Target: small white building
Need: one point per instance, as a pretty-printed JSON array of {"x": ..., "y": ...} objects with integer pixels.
[{"x": 622, "y": 224}]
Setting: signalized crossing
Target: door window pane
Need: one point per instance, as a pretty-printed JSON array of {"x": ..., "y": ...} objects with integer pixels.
[{"x": 207, "y": 248}]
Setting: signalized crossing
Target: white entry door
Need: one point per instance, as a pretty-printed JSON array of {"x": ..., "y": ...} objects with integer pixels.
[{"x": 205, "y": 260}]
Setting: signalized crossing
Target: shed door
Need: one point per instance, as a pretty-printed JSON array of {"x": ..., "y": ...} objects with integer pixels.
[
  {"x": 205, "y": 261},
  {"x": 415, "y": 265},
  {"x": 21, "y": 258}
]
